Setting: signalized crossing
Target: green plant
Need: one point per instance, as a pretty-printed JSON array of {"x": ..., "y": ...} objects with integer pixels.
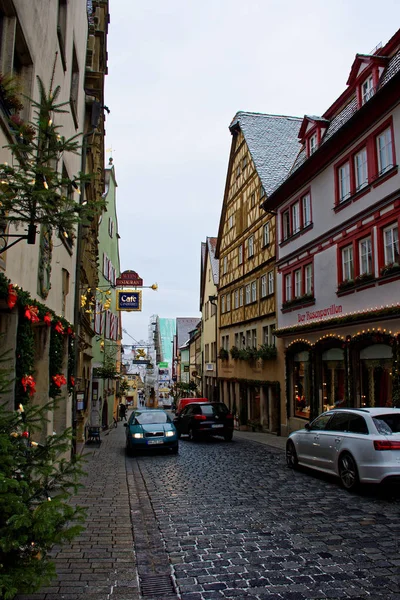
[
  {"x": 266, "y": 352},
  {"x": 235, "y": 352},
  {"x": 107, "y": 371},
  {"x": 298, "y": 300},
  {"x": 249, "y": 354},
  {"x": 223, "y": 354},
  {"x": 254, "y": 424},
  {"x": 390, "y": 268}
]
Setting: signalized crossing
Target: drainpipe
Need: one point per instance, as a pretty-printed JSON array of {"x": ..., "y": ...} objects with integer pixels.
[{"x": 213, "y": 301}]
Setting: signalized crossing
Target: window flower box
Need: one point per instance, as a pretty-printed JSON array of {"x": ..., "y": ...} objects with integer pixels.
[{"x": 390, "y": 269}]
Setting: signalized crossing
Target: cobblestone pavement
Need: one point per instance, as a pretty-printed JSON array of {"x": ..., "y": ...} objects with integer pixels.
[{"x": 225, "y": 521}]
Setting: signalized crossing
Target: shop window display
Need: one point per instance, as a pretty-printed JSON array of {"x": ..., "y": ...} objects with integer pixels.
[
  {"x": 375, "y": 376},
  {"x": 333, "y": 374},
  {"x": 301, "y": 385}
]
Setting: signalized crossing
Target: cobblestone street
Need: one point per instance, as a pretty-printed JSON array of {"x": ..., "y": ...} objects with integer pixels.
[{"x": 225, "y": 520}]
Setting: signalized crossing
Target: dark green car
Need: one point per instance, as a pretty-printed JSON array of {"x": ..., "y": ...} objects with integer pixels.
[{"x": 150, "y": 429}]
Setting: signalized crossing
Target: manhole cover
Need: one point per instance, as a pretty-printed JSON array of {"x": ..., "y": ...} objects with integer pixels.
[{"x": 157, "y": 585}]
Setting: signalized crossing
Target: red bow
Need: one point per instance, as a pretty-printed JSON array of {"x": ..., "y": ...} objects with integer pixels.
[
  {"x": 72, "y": 380},
  {"x": 59, "y": 380},
  {"x": 59, "y": 327},
  {"x": 47, "y": 319},
  {"x": 70, "y": 331},
  {"x": 28, "y": 382},
  {"x": 12, "y": 296},
  {"x": 31, "y": 313}
]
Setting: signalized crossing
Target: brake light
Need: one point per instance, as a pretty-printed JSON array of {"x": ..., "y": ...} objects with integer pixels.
[
  {"x": 229, "y": 416},
  {"x": 386, "y": 445},
  {"x": 200, "y": 417}
]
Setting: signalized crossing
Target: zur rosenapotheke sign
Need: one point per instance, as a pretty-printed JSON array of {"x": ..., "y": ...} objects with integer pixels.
[{"x": 129, "y": 300}]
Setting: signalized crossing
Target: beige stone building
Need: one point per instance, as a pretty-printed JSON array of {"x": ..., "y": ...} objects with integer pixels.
[
  {"x": 208, "y": 306},
  {"x": 251, "y": 367}
]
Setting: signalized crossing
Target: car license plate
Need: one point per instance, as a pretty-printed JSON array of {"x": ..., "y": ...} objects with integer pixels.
[
  {"x": 219, "y": 425},
  {"x": 155, "y": 442}
]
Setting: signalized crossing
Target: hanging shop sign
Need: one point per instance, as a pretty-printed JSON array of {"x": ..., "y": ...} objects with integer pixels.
[
  {"x": 129, "y": 279},
  {"x": 129, "y": 300},
  {"x": 163, "y": 365}
]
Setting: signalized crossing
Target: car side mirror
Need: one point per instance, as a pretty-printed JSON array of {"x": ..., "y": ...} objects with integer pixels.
[
  {"x": 307, "y": 426},
  {"x": 125, "y": 424}
]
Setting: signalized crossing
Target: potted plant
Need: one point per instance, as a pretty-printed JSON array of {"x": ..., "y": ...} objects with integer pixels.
[
  {"x": 266, "y": 352},
  {"x": 223, "y": 354}
]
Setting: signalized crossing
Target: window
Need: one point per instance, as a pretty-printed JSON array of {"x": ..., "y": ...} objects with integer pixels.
[
  {"x": 248, "y": 296},
  {"x": 230, "y": 221},
  {"x": 244, "y": 162},
  {"x": 250, "y": 246},
  {"x": 286, "y": 224},
  {"x": 236, "y": 305},
  {"x": 367, "y": 90},
  {"x": 237, "y": 339},
  {"x": 269, "y": 335},
  {"x": 225, "y": 270},
  {"x": 344, "y": 182},
  {"x": 347, "y": 264},
  {"x": 312, "y": 144},
  {"x": 213, "y": 309},
  {"x": 308, "y": 277},
  {"x": 228, "y": 303},
  {"x": 271, "y": 281},
  {"x": 263, "y": 286},
  {"x": 207, "y": 353},
  {"x": 261, "y": 192},
  {"x": 306, "y": 206},
  {"x": 222, "y": 304},
  {"x": 248, "y": 338},
  {"x": 297, "y": 283},
  {"x": 64, "y": 290},
  {"x": 254, "y": 338},
  {"x": 266, "y": 234},
  {"x": 73, "y": 97},
  {"x": 391, "y": 244},
  {"x": 206, "y": 309},
  {"x": 288, "y": 287},
  {"x": 252, "y": 200},
  {"x": 241, "y": 293},
  {"x": 384, "y": 150},
  {"x": 361, "y": 169},
  {"x": 213, "y": 351},
  {"x": 295, "y": 218},
  {"x": 240, "y": 255},
  {"x": 253, "y": 291},
  {"x": 237, "y": 171},
  {"x": 365, "y": 256},
  {"x": 110, "y": 227}
]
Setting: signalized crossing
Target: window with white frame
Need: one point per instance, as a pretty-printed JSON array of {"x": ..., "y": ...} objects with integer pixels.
[
  {"x": 253, "y": 291},
  {"x": 344, "y": 181},
  {"x": 248, "y": 338},
  {"x": 347, "y": 263},
  {"x": 261, "y": 192},
  {"x": 207, "y": 353},
  {"x": 228, "y": 303},
  {"x": 241, "y": 294},
  {"x": 271, "y": 282},
  {"x": 312, "y": 144},
  {"x": 222, "y": 304},
  {"x": 295, "y": 217},
  {"x": 367, "y": 90},
  {"x": 230, "y": 222},
  {"x": 244, "y": 161},
  {"x": 266, "y": 234},
  {"x": 384, "y": 147},
  {"x": 288, "y": 287},
  {"x": 254, "y": 338},
  {"x": 237, "y": 339},
  {"x": 391, "y": 244},
  {"x": 306, "y": 207},
  {"x": 365, "y": 256},
  {"x": 263, "y": 286},
  {"x": 250, "y": 246},
  {"x": 242, "y": 340},
  {"x": 361, "y": 169},
  {"x": 286, "y": 224},
  {"x": 308, "y": 280},
  {"x": 225, "y": 265},
  {"x": 252, "y": 200},
  {"x": 240, "y": 254},
  {"x": 248, "y": 294},
  {"x": 236, "y": 299},
  {"x": 272, "y": 337},
  {"x": 297, "y": 283},
  {"x": 269, "y": 335}
]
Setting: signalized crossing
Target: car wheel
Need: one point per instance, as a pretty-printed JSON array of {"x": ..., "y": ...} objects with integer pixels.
[
  {"x": 175, "y": 449},
  {"x": 128, "y": 449},
  {"x": 291, "y": 455},
  {"x": 348, "y": 472},
  {"x": 178, "y": 433},
  {"x": 228, "y": 436},
  {"x": 191, "y": 434}
]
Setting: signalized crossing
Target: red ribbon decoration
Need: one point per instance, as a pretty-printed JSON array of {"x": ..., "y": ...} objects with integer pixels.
[
  {"x": 28, "y": 382},
  {"x": 59, "y": 380},
  {"x": 72, "y": 380},
  {"x": 12, "y": 296},
  {"x": 31, "y": 313},
  {"x": 70, "y": 331},
  {"x": 59, "y": 327},
  {"x": 47, "y": 319}
]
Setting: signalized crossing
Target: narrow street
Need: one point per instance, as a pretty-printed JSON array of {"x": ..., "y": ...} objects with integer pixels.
[{"x": 224, "y": 520}]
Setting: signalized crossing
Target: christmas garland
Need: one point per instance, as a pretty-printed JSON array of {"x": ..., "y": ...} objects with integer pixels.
[{"x": 30, "y": 313}]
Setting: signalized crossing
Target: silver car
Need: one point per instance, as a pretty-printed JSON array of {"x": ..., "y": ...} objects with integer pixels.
[{"x": 358, "y": 445}]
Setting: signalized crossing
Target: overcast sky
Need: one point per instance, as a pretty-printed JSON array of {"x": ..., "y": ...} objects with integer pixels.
[{"x": 179, "y": 70}]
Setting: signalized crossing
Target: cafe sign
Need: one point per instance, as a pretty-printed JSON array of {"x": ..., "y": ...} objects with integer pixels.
[
  {"x": 129, "y": 300},
  {"x": 129, "y": 279}
]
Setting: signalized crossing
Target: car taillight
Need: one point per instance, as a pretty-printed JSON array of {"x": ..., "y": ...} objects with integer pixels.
[
  {"x": 229, "y": 416},
  {"x": 386, "y": 445},
  {"x": 200, "y": 417}
]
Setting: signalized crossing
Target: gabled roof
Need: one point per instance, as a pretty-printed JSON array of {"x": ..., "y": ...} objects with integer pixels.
[
  {"x": 211, "y": 246},
  {"x": 183, "y": 326},
  {"x": 311, "y": 119},
  {"x": 364, "y": 58},
  {"x": 273, "y": 143},
  {"x": 208, "y": 250}
]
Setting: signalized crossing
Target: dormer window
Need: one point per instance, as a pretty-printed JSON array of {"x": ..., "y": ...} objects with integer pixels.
[
  {"x": 312, "y": 144},
  {"x": 367, "y": 90}
]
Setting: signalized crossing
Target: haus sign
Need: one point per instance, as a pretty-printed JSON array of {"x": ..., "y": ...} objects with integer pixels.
[
  {"x": 129, "y": 300},
  {"x": 129, "y": 279}
]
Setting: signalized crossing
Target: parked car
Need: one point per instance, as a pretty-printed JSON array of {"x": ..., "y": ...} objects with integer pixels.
[
  {"x": 150, "y": 429},
  {"x": 358, "y": 445},
  {"x": 182, "y": 402},
  {"x": 205, "y": 419}
]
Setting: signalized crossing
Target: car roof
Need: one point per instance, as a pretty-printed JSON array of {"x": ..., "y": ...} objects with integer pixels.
[{"x": 373, "y": 410}]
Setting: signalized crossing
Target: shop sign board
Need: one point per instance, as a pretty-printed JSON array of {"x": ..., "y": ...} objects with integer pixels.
[
  {"x": 129, "y": 279},
  {"x": 129, "y": 300}
]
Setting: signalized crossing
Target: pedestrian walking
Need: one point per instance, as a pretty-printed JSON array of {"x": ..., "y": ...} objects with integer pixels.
[{"x": 122, "y": 411}]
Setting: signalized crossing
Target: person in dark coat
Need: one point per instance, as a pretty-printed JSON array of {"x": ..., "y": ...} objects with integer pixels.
[{"x": 122, "y": 411}]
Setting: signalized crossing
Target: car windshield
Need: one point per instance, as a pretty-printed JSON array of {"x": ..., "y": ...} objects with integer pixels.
[
  {"x": 151, "y": 418},
  {"x": 212, "y": 409},
  {"x": 387, "y": 424}
]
